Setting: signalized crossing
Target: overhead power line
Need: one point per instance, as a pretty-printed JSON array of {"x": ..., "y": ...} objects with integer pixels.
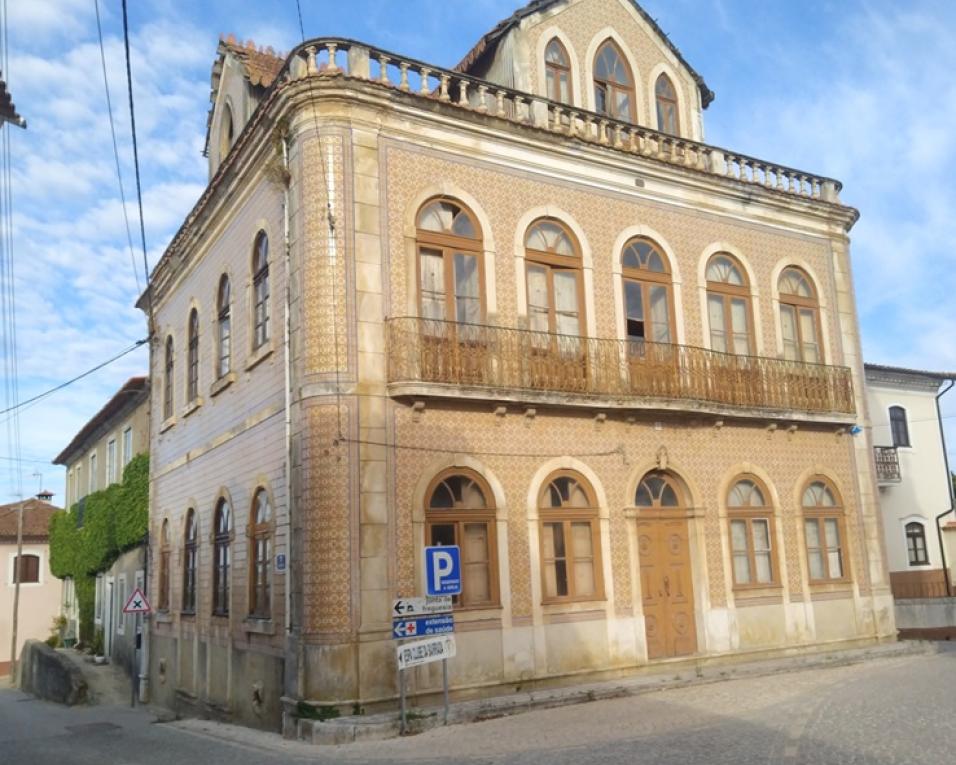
[
  {"x": 87, "y": 373},
  {"x": 119, "y": 174}
]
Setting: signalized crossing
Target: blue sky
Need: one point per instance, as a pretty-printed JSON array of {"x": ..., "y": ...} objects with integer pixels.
[{"x": 861, "y": 90}]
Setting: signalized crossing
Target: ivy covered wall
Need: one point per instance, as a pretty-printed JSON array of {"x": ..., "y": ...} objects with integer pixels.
[{"x": 88, "y": 537}]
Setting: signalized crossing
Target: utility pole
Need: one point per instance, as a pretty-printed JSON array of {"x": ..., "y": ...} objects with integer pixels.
[{"x": 17, "y": 576}]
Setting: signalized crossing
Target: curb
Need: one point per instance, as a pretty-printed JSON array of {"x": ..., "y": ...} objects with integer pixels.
[{"x": 346, "y": 730}]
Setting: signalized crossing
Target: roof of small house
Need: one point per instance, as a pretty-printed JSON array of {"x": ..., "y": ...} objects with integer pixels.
[
  {"x": 487, "y": 44},
  {"x": 36, "y": 520}
]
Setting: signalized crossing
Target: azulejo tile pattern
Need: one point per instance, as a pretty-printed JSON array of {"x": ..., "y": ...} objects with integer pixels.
[{"x": 705, "y": 457}]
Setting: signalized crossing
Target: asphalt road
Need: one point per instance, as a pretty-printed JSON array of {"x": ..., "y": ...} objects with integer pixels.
[{"x": 881, "y": 712}]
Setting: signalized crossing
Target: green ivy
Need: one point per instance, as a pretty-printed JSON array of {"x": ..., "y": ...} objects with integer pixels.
[{"x": 114, "y": 520}]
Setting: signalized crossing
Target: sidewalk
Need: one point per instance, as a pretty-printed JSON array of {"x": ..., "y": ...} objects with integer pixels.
[{"x": 345, "y": 730}]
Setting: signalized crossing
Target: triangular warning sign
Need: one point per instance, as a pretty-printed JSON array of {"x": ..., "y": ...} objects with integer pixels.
[{"x": 137, "y": 603}]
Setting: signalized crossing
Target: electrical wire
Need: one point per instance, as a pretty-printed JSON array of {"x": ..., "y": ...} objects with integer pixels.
[
  {"x": 119, "y": 174},
  {"x": 139, "y": 186},
  {"x": 87, "y": 373}
]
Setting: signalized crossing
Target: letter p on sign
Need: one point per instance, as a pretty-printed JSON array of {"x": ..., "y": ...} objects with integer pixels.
[{"x": 443, "y": 570}]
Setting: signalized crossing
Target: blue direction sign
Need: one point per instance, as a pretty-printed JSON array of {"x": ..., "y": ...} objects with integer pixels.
[
  {"x": 423, "y": 626},
  {"x": 443, "y": 570}
]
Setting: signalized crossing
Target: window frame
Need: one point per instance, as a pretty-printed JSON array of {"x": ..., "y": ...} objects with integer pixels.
[
  {"x": 672, "y": 100},
  {"x": 749, "y": 514},
  {"x": 192, "y": 357},
  {"x": 190, "y": 563},
  {"x": 899, "y": 427},
  {"x": 819, "y": 514},
  {"x": 223, "y": 327},
  {"x": 611, "y": 89},
  {"x": 222, "y": 558},
  {"x": 17, "y": 565},
  {"x": 556, "y": 262},
  {"x": 459, "y": 517},
  {"x": 127, "y": 445},
  {"x": 169, "y": 369},
  {"x": 908, "y": 536},
  {"x": 566, "y": 517},
  {"x": 261, "y": 292},
  {"x": 260, "y": 569},
  {"x": 111, "y": 463},
  {"x": 91, "y": 478},
  {"x": 165, "y": 555},
  {"x": 447, "y": 244},
  {"x": 553, "y": 71},
  {"x": 798, "y": 303},
  {"x": 727, "y": 293},
  {"x": 646, "y": 279}
]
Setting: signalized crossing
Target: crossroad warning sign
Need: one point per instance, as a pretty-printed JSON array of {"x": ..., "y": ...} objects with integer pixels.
[{"x": 137, "y": 603}]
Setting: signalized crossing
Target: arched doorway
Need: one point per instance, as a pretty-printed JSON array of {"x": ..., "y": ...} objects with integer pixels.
[{"x": 667, "y": 585}]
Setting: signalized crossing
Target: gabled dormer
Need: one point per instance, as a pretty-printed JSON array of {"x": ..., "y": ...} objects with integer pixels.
[
  {"x": 241, "y": 76},
  {"x": 607, "y": 56}
]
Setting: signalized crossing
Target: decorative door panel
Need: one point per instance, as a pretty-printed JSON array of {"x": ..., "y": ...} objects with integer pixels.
[{"x": 667, "y": 587}]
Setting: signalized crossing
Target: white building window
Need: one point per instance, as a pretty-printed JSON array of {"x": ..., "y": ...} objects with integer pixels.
[
  {"x": 120, "y": 602},
  {"x": 127, "y": 445},
  {"x": 111, "y": 461},
  {"x": 98, "y": 601},
  {"x": 92, "y": 472}
]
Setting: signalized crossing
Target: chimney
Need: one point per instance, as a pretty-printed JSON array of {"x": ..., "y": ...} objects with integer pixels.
[{"x": 45, "y": 495}]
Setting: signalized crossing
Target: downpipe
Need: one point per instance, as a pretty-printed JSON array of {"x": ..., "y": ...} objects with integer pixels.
[{"x": 949, "y": 486}]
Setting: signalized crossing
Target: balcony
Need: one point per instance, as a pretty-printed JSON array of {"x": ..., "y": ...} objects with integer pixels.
[
  {"x": 429, "y": 357},
  {"x": 887, "y": 465}
]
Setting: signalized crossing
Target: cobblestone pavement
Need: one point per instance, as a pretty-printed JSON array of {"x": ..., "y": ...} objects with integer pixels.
[{"x": 882, "y": 712}]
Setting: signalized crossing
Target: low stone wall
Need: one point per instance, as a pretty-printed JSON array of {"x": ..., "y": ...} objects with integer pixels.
[
  {"x": 926, "y": 618},
  {"x": 50, "y": 675}
]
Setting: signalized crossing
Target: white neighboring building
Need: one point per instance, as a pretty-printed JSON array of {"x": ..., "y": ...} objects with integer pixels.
[{"x": 913, "y": 479}]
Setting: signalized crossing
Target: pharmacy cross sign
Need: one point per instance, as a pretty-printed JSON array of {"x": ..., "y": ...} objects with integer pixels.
[{"x": 137, "y": 603}]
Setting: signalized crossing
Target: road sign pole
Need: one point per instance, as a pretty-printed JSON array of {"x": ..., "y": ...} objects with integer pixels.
[
  {"x": 401, "y": 693},
  {"x": 444, "y": 679}
]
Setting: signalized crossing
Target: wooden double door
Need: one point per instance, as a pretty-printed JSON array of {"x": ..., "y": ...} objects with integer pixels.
[{"x": 667, "y": 586}]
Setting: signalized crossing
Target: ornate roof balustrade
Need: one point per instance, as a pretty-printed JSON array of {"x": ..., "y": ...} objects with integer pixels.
[
  {"x": 501, "y": 362},
  {"x": 335, "y": 56}
]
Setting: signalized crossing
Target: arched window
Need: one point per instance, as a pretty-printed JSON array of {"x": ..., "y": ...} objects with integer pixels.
[
  {"x": 555, "y": 286},
  {"x": 729, "y": 311},
  {"x": 460, "y": 510},
  {"x": 799, "y": 317},
  {"x": 260, "y": 288},
  {"x": 751, "y": 534},
  {"x": 26, "y": 569},
  {"x": 192, "y": 372},
  {"x": 613, "y": 83},
  {"x": 189, "y": 563},
  {"x": 168, "y": 380},
  {"x": 220, "y": 560},
  {"x": 668, "y": 120},
  {"x": 165, "y": 553},
  {"x": 648, "y": 302},
  {"x": 260, "y": 534},
  {"x": 449, "y": 263},
  {"x": 570, "y": 540},
  {"x": 223, "y": 329},
  {"x": 226, "y": 130},
  {"x": 557, "y": 66},
  {"x": 899, "y": 427},
  {"x": 916, "y": 544},
  {"x": 824, "y": 528},
  {"x": 657, "y": 491}
]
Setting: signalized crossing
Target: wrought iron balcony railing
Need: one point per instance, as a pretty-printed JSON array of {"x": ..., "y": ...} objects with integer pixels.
[
  {"x": 505, "y": 359},
  {"x": 887, "y": 464}
]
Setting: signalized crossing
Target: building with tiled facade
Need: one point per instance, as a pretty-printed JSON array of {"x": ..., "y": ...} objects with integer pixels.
[{"x": 518, "y": 306}]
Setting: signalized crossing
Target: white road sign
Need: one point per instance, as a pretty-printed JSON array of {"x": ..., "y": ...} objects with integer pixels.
[
  {"x": 434, "y": 604},
  {"x": 426, "y": 651},
  {"x": 137, "y": 603}
]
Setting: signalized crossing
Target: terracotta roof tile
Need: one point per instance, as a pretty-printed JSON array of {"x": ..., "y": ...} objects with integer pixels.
[
  {"x": 261, "y": 65},
  {"x": 36, "y": 520}
]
